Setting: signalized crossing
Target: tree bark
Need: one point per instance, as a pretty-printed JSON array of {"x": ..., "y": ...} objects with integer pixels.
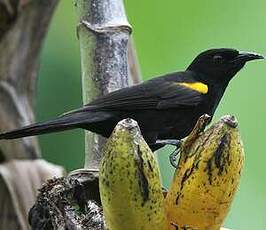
[
  {"x": 103, "y": 32},
  {"x": 23, "y": 26}
]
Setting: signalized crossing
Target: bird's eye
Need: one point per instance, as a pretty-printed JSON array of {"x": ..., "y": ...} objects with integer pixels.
[{"x": 218, "y": 59}]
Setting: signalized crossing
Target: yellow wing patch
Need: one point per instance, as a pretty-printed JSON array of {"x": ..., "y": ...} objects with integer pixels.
[{"x": 197, "y": 86}]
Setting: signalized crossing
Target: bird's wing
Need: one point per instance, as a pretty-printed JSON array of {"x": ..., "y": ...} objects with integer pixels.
[{"x": 160, "y": 93}]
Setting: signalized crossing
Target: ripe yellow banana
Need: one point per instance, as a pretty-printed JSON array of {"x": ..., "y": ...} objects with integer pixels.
[
  {"x": 207, "y": 177},
  {"x": 129, "y": 181}
]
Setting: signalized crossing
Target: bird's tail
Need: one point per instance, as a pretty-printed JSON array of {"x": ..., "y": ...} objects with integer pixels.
[{"x": 69, "y": 121}]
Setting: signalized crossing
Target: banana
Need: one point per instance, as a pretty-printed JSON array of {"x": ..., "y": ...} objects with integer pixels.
[
  {"x": 206, "y": 178},
  {"x": 129, "y": 182}
]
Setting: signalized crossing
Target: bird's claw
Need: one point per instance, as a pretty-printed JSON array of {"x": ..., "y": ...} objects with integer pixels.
[{"x": 173, "y": 155}]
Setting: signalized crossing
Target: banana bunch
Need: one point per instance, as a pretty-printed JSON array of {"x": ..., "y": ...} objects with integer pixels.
[
  {"x": 129, "y": 181},
  {"x": 202, "y": 189},
  {"x": 206, "y": 178}
]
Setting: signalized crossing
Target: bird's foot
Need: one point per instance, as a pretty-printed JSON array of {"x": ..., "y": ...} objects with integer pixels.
[{"x": 173, "y": 155}]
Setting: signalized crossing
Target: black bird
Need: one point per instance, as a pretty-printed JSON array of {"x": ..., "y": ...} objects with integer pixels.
[{"x": 166, "y": 107}]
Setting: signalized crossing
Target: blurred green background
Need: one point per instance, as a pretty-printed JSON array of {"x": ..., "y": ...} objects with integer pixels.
[{"x": 168, "y": 34}]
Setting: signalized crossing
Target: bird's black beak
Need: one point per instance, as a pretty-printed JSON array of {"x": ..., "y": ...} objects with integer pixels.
[{"x": 244, "y": 57}]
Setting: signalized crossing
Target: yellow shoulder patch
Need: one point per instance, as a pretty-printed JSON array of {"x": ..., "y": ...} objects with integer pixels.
[{"x": 197, "y": 86}]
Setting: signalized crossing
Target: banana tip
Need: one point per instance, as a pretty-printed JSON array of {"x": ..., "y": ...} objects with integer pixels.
[
  {"x": 230, "y": 121},
  {"x": 128, "y": 124}
]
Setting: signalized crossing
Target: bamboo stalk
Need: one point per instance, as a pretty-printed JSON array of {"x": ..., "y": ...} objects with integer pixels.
[{"x": 103, "y": 32}]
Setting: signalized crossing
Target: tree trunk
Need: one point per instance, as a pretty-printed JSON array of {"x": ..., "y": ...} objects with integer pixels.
[{"x": 23, "y": 26}]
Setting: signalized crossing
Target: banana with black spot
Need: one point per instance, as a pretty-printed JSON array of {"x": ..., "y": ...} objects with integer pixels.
[
  {"x": 129, "y": 180},
  {"x": 207, "y": 176}
]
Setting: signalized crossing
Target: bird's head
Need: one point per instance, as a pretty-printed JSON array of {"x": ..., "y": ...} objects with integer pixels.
[{"x": 220, "y": 65}]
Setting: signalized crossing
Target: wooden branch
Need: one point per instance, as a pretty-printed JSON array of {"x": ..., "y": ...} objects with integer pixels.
[{"x": 103, "y": 31}]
